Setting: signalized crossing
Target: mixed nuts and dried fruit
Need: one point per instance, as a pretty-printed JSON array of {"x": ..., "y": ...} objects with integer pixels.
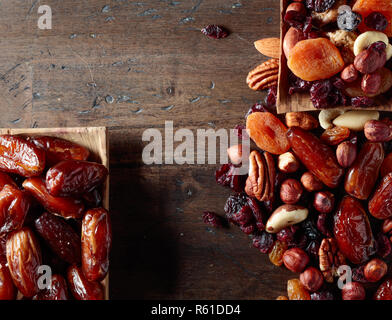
[{"x": 51, "y": 215}]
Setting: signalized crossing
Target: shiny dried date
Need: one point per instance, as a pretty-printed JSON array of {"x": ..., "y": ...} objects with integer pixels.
[
  {"x": 317, "y": 157},
  {"x": 81, "y": 288},
  {"x": 96, "y": 243},
  {"x": 58, "y": 149},
  {"x": 17, "y": 155},
  {"x": 7, "y": 287},
  {"x": 92, "y": 199},
  {"x": 6, "y": 179},
  {"x": 362, "y": 175},
  {"x": 24, "y": 258},
  {"x": 73, "y": 177},
  {"x": 58, "y": 290},
  {"x": 14, "y": 206},
  {"x": 380, "y": 204},
  {"x": 384, "y": 291},
  {"x": 64, "y": 206},
  {"x": 353, "y": 232},
  {"x": 60, "y": 237}
]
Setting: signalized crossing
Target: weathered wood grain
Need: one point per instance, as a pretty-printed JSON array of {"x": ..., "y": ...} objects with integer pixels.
[{"x": 151, "y": 58}]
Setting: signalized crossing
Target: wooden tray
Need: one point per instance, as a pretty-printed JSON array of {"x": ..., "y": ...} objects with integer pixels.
[
  {"x": 94, "y": 139},
  {"x": 301, "y": 101}
]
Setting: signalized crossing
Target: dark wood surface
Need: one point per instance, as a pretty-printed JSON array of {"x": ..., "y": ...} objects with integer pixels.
[{"x": 147, "y": 55}]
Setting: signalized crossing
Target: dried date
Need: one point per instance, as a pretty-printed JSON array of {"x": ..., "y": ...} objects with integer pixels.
[
  {"x": 7, "y": 287},
  {"x": 379, "y": 205},
  {"x": 64, "y": 206},
  {"x": 58, "y": 290},
  {"x": 96, "y": 243},
  {"x": 60, "y": 237},
  {"x": 74, "y": 177},
  {"x": 81, "y": 288}
]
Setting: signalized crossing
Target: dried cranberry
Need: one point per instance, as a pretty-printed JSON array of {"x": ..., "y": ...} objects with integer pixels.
[
  {"x": 213, "y": 219},
  {"x": 298, "y": 85},
  {"x": 313, "y": 248},
  {"x": 358, "y": 274},
  {"x": 270, "y": 99},
  {"x": 240, "y": 130},
  {"x": 287, "y": 235},
  {"x": 322, "y": 295},
  {"x": 384, "y": 247},
  {"x": 264, "y": 241},
  {"x": 319, "y": 93},
  {"x": 309, "y": 4},
  {"x": 228, "y": 176},
  {"x": 338, "y": 83},
  {"x": 215, "y": 32},
  {"x": 258, "y": 107},
  {"x": 377, "y": 21},
  {"x": 323, "y": 5},
  {"x": 322, "y": 225},
  {"x": 245, "y": 213},
  {"x": 301, "y": 240},
  {"x": 362, "y": 102},
  {"x": 295, "y": 19}
]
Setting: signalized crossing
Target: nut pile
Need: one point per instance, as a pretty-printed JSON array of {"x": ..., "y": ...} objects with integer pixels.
[
  {"x": 51, "y": 215},
  {"x": 316, "y": 198}
]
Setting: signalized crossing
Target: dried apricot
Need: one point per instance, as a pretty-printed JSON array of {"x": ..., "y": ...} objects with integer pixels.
[
  {"x": 276, "y": 255},
  {"x": 315, "y": 59},
  {"x": 296, "y": 291},
  {"x": 268, "y": 132}
]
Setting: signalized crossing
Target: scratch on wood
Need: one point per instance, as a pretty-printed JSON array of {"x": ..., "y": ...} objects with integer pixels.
[
  {"x": 167, "y": 108},
  {"x": 32, "y": 7},
  {"x": 147, "y": 12},
  {"x": 139, "y": 110}
]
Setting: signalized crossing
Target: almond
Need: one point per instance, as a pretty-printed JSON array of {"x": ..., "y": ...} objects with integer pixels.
[{"x": 269, "y": 47}]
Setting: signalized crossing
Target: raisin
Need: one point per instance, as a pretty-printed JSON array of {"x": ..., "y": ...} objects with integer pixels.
[
  {"x": 295, "y": 19},
  {"x": 310, "y": 230},
  {"x": 276, "y": 254},
  {"x": 348, "y": 20},
  {"x": 212, "y": 219},
  {"x": 270, "y": 99},
  {"x": 377, "y": 21},
  {"x": 323, "y": 5},
  {"x": 264, "y": 241},
  {"x": 296, "y": 291},
  {"x": 322, "y": 295},
  {"x": 228, "y": 176},
  {"x": 215, "y": 32}
]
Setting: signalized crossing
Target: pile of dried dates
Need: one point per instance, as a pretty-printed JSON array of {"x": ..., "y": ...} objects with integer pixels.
[
  {"x": 317, "y": 198},
  {"x": 338, "y": 51},
  {"x": 51, "y": 216}
]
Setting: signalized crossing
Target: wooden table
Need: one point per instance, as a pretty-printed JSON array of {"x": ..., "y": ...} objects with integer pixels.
[{"x": 131, "y": 65}]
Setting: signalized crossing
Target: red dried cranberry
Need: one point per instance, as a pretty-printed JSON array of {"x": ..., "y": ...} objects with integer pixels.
[
  {"x": 377, "y": 21},
  {"x": 270, "y": 99},
  {"x": 215, "y": 32},
  {"x": 320, "y": 93},
  {"x": 295, "y": 19},
  {"x": 287, "y": 235},
  {"x": 322, "y": 225},
  {"x": 298, "y": 85},
  {"x": 362, "y": 102},
  {"x": 212, "y": 219},
  {"x": 263, "y": 241},
  {"x": 384, "y": 247},
  {"x": 257, "y": 213},
  {"x": 228, "y": 176},
  {"x": 240, "y": 130},
  {"x": 258, "y": 107},
  {"x": 323, "y": 5},
  {"x": 358, "y": 274},
  {"x": 322, "y": 295}
]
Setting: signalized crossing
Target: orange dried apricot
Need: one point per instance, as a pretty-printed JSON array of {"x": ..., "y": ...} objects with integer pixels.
[
  {"x": 268, "y": 132},
  {"x": 315, "y": 59},
  {"x": 365, "y": 7},
  {"x": 296, "y": 291}
]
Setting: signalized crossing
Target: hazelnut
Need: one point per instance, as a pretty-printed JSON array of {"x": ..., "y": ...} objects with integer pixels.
[
  {"x": 291, "y": 191},
  {"x": 371, "y": 83},
  {"x": 353, "y": 291},
  {"x": 288, "y": 163},
  {"x": 292, "y": 37},
  {"x": 235, "y": 154},
  {"x": 349, "y": 74},
  {"x": 295, "y": 259},
  {"x": 375, "y": 269},
  {"x": 377, "y": 131},
  {"x": 311, "y": 182},
  {"x": 346, "y": 153},
  {"x": 312, "y": 279},
  {"x": 324, "y": 201}
]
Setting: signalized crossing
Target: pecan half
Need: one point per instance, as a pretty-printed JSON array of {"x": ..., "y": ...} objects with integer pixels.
[
  {"x": 255, "y": 184},
  {"x": 264, "y": 76},
  {"x": 330, "y": 259},
  {"x": 271, "y": 170}
]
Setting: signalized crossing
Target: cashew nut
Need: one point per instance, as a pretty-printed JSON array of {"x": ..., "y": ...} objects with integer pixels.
[
  {"x": 365, "y": 39},
  {"x": 326, "y": 116},
  {"x": 284, "y": 216},
  {"x": 355, "y": 120}
]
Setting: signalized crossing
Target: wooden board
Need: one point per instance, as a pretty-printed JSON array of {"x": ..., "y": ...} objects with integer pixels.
[
  {"x": 153, "y": 60},
  {"x": 301, "y": 101},
  {"x": 94, "y": 139}
]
